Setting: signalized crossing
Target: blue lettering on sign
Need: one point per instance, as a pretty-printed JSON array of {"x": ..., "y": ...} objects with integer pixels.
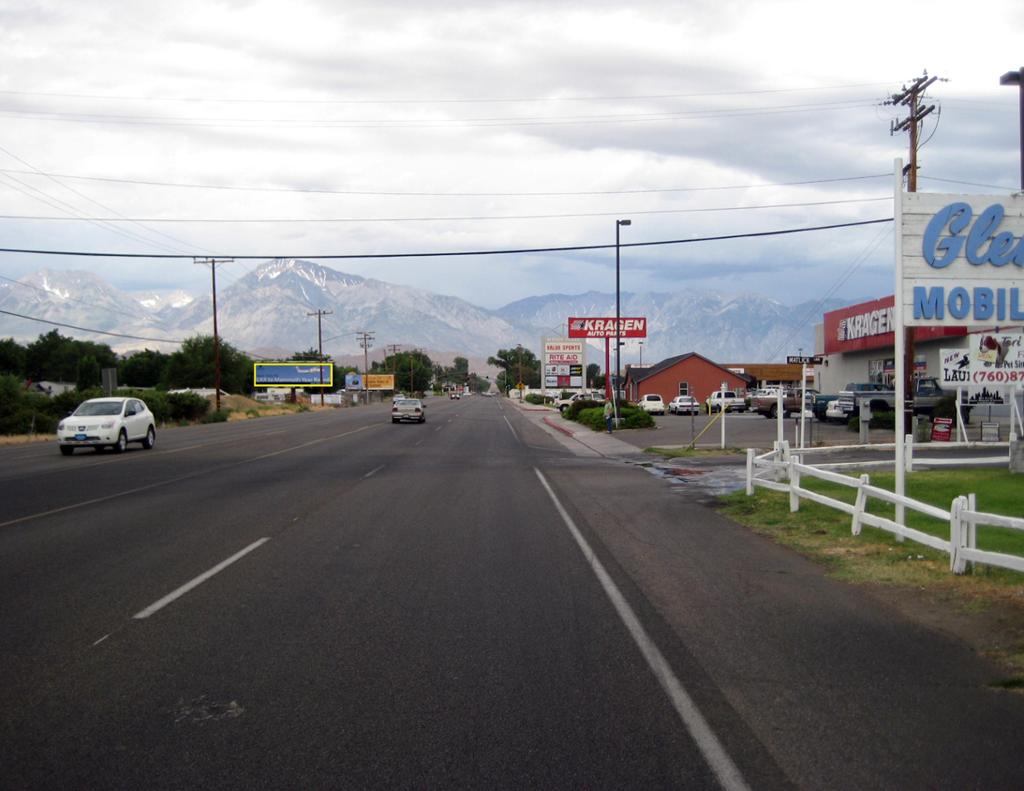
[
  {"x": 981, "y": 245},
  {"x": 978, "y": 305}
]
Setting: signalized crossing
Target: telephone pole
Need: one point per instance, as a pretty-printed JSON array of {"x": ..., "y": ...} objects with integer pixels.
[
  {"x": 393, "y": 349},
  {"x": 320, "y": 345},
  {"x": 212, "y": 263},
  {"x": 365, "y": 341},
  {"x": 910, "y": 97}
]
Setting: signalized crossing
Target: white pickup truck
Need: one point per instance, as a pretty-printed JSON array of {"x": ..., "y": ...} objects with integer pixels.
[
  {"x": 730, "y": 399},
  {"x": 563, "y": 404}
]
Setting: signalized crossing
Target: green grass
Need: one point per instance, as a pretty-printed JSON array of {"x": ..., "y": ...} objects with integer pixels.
[
  {"x": 682, "y": 453},
  {"x": 824, "y": 533}
]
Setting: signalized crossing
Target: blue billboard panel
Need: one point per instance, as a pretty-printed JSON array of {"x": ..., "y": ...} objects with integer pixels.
[
  {"x": 294, "y": 374},
  {"x": 353, "y": 382}
]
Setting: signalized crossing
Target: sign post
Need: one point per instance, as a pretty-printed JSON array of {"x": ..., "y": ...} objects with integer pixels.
[{"x": 803, "y": 361}]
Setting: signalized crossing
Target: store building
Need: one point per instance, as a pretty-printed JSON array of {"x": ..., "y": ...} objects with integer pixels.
[
  {"x": 858, "y": 345},
  {"x": 685, "y": 374}
]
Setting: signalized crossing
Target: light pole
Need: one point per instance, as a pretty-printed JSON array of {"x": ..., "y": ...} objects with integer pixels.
[
  {"x": 1017, "y": 78},
  {"x": 618, "y": 329}
]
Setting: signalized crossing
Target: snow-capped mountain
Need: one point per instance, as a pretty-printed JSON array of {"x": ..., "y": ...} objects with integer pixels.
[{"x": 271, "y": 307}]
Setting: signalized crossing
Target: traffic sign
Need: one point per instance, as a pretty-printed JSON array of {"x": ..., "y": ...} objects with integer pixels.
[{"x": 794, "y": 360}]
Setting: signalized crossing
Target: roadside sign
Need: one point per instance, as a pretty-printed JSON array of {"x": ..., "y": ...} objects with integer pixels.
[
  {"x": 293, "y": 374},
  {"x": 942, "y": 429},
  {"x": 803, "y": 360}
]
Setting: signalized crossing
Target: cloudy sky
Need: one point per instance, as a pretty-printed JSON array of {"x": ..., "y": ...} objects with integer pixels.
[{"x": 344, "y": 127}]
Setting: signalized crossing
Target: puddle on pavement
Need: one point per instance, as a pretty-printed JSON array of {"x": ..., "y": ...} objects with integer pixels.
[{"x": 710, "y": 480}]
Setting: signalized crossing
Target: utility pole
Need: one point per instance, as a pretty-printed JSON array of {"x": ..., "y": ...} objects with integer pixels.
[
  {"x": 910, "y": 97},
  {"x": 393, "y": 349},
  {"x": 320, "y": 343},
  {"x": 212, "y": 263},
  {"x": 365, "y": 341}
]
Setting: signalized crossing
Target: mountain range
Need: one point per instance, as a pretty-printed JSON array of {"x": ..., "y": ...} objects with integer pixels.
[{"x": 267, "y": 313}]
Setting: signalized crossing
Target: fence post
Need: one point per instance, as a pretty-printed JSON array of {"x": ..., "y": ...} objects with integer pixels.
[
  {"x": 956, "y": 534},
  {"x": 750, "y": 471},
  {"x": 908, "y": 452},
  {"x": 972, "y": 526},
  {"x": 859, "y": 503},
  {"x": 794, "y": 484}
]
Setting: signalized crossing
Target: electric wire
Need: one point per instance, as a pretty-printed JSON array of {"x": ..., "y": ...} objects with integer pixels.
[
  {"x": 466, "y": 218},
  {"x": 392, "y": 193},
  {"x": 87, "y": 329},
  {"x": 456, "y": 253}
]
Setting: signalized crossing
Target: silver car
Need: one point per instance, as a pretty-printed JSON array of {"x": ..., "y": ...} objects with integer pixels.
[
  {"x": 107, "y": 422},
  {"x": 408, "y": 409}
]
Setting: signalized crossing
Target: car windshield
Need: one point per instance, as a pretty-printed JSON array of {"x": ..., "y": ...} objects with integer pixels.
[{"x": 93, "y": 408}]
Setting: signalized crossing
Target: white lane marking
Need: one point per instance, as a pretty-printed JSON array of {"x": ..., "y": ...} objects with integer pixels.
[
  {"x": 100, "y": 640},
  {"x": 169, "y": 481},
  {"x": 438, "y": 429},
  {"x": 714, "y": 753},
  {"x": 374, "y": 471},
  {"x": 178, "y": 593},
  {"x": 511, "y": 429}
]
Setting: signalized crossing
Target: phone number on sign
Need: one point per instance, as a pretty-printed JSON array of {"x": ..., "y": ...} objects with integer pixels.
[{"x": 985, "y": 377}]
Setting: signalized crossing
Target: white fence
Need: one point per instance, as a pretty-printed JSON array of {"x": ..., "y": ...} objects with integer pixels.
[{"x": 780, "y": 471}]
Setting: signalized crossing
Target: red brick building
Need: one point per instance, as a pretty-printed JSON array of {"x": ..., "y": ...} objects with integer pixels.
[{"x": 686, "y": 374}]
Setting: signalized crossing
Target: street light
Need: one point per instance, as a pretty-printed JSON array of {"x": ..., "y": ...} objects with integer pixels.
[
  {"x": 1017, "y": 78},
  {"x": 618, "y": 329}
]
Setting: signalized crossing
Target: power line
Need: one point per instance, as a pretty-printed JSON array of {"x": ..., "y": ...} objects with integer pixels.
[
  {"x": 316, "y": 191},
  {"x": 457, "y": 253},
  {"x": 467, "y": 218},
  {"x": 88, "y": 329},
  {"x": 472, "y": 100}
]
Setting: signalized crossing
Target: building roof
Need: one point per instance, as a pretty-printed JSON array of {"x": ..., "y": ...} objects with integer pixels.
[{"x": 638, "y": 375}]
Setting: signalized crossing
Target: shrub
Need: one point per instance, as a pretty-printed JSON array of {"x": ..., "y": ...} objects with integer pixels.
[
  {"x": 187, "y": 406},
  {"x": 630, "y": 417},
  {"x": 574, "y": 409},
  {"x": 879, "y": 420},
  {"x": 217, "y": 416}
]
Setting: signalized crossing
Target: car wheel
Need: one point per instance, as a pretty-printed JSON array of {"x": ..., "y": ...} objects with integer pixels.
[
  {"x": 150, "y": 439},
  {"x": 66, "y": 450},
  {"x": 394, "y": 420},
  {"x": 423, "y": 420},
  {"x": 122, "y": 442},
  {"x": 773, "y": 412}
]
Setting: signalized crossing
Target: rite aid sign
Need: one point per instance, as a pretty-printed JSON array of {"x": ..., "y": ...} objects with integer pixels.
[{"x": 963, "y": 260}]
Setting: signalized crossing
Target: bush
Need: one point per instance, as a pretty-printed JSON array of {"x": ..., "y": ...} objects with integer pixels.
[
  {"x": 217, "y": 416},
  {"x": 573, "y": 410},
  {"x": 534, "y": 398},
  {"x": 630, "y": 417},
  {"x": 879, "y": 420},
  {"x": 187, "y": 406}
]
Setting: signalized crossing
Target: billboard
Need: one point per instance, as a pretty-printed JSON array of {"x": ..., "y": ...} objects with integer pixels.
[
  {"x": 293, "y": 374},
  {"x": 962, "y": 259},
  {"x": 993, "y": 364},
  {"x": 353, "y": 382},
  {"x": 605, "y": 327},
  {"x": 380, "y": 381},
  {"x": 564, "y": 363}
]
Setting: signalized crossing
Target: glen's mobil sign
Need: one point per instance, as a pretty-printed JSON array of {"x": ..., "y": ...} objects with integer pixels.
[{"x": 963, "y": 259}]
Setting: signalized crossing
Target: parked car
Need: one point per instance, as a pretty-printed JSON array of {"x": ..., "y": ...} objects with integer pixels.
[
  {"x": 107, "y": 423},
  {"x": 652, "y": 404},
  {"x": 584, "y": 395},
  {"x": 408, "y": 409},
  {"x": 684, "y": 405},
  {"x": 453, "y": 395},
  {"x": 732, "y": 401}
]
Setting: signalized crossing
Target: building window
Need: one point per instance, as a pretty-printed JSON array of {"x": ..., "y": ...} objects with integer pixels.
[{"x": 684, "y": 388}]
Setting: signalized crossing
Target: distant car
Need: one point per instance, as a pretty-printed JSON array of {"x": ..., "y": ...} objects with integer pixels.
[
  {"x": 732, "y": 401},
  {"x": 408, "y": 409},
  {"x": 454, "y": 395},
  {"x": 652, "y": 404},
  {"x": 398, "y": 397},
  {"x": 684, "y": 405},
  {"x": 107, "y": 423}
]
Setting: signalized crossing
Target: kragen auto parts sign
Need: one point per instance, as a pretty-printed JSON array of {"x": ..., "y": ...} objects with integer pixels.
[{"x": 605, "y": 328}]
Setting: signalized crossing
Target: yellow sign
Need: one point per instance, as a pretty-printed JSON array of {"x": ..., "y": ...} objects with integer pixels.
[{"x": 380, "y": 381}]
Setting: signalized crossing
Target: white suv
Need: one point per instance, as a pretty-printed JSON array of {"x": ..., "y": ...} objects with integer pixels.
[{"x": 652, "y": 403}]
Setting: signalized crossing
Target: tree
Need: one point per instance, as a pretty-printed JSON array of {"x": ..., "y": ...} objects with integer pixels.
[
  {"x": 193, "y": 366},
  {"x": 593, "y": 372},
  {"x": 413, "y": 370},
  {"x": 515, "y": 363},
  {"x": 88, "y": 373},
  {"x": 142, "y": 369},
  {"x": 12, "y": 358},
  {"x": 55, "y": 357}
]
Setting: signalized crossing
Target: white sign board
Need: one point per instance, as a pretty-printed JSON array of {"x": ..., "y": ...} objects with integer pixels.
[
  {"x": 962, "y": 260},
  {"x": 992, "y": 365},
  {"x": 565, "y": 363}
]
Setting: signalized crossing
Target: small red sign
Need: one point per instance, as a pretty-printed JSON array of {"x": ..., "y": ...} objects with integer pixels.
[{"x": 942, "y": 429}]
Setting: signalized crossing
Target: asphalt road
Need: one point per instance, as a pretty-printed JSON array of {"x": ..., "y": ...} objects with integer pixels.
[{"x": 331, "y": 601}]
